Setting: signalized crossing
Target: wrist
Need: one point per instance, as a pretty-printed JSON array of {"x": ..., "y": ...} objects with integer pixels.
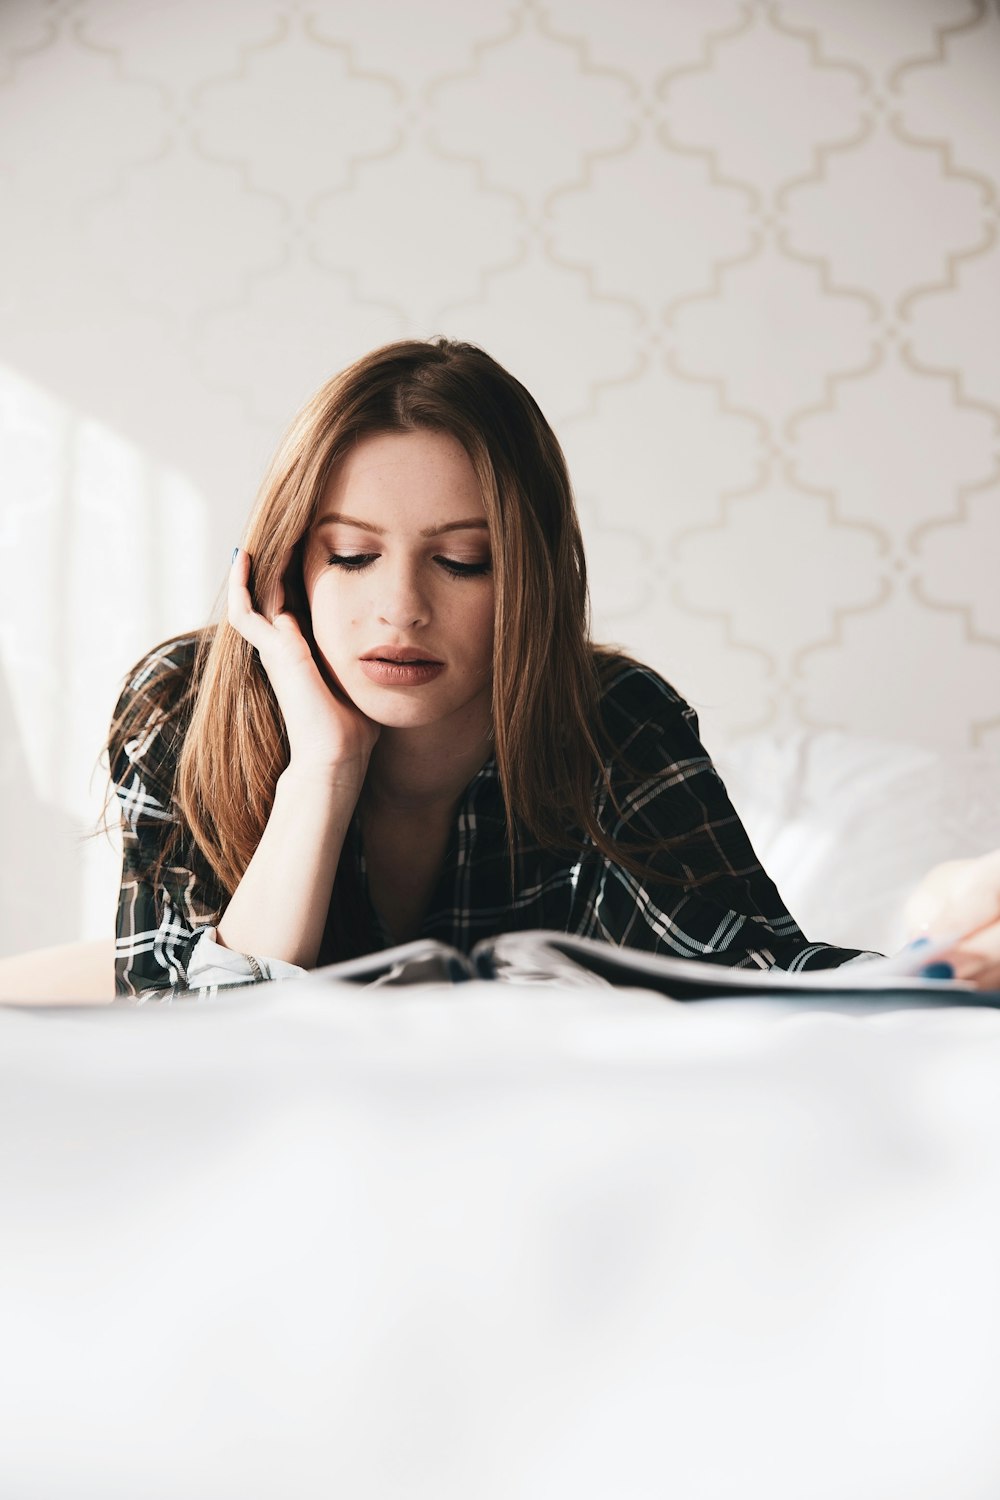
[{"x": 338, "y": 780}]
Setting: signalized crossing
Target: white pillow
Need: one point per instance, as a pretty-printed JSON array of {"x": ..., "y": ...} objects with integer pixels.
[{"x": 846, "y": 826}]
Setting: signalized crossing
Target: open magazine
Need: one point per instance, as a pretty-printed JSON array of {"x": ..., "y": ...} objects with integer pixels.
[{"x": 541, "y": 957}]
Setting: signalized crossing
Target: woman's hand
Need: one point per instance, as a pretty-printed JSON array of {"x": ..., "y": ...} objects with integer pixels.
[
  {"x": 961, "y": 900},
  {"x": 326, "y": 732}
]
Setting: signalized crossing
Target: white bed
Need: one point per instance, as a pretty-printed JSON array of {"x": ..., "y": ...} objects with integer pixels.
[{"x": 492, "y": 1241}]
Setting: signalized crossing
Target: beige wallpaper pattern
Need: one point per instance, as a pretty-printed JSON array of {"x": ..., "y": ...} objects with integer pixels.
[{"x": 745, "y": 255}]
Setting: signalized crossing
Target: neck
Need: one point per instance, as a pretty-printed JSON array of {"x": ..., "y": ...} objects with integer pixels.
[{"x": 411, "y": 771}]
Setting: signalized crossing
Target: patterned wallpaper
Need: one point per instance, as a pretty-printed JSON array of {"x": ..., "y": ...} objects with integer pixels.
[{"x": 744, "y": 254}]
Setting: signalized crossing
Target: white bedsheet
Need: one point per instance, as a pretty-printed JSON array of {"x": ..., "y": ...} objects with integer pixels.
[{"x": 491, "y": 1242}]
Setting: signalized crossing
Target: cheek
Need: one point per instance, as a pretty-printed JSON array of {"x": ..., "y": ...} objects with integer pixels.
[
  {"x": 331, "y": 613},
  {"x": 481, "y": 625}
]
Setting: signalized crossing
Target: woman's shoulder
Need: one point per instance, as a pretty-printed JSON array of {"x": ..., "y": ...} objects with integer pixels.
[
  {"x": 168, "y": 666},
  {"x": 153, "y": 705},
  {"x": 636, "y": 701}
]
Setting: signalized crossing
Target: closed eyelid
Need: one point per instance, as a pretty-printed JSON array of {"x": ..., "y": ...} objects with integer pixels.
[
  {"x": 357, "y": 544},
  {"x": 360, "y": 562}
]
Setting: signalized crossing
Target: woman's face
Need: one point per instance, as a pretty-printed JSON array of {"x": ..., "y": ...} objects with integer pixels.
[{"x": 397, "y": 563}]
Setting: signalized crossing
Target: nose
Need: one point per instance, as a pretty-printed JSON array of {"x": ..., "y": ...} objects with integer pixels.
[{"x": 402, "y": 601}]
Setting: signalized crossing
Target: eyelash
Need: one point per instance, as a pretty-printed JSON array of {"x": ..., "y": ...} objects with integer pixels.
[{"x": 359, "y": 562}]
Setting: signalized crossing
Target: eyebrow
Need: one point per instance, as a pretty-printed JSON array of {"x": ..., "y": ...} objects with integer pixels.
[{"x": 335, "y": 518}]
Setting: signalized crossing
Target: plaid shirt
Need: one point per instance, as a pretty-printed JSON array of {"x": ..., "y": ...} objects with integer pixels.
[{"x": 670, "y": 789}]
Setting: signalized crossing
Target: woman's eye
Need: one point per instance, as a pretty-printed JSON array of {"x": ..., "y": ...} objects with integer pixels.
[
  {"x": 357, "y": 562},
  {"x": 352, "y": 562},
  {"x": 462, "y": 569}
]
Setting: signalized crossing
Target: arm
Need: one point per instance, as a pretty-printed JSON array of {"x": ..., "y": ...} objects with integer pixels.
[
  {"x": 159, "y": 922},
  {"x": 280, "y": 906},
  {"x": 166, "y": 940},
  {"x": 68, "y": 974}
]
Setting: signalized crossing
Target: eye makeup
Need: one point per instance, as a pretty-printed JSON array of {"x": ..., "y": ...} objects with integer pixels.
[{"x": 359, "y": 562}]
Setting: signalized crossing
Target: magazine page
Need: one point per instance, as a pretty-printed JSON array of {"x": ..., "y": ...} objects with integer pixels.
[
  {"x": 423, "y": 961},
  {"x": 537, "y": 956}
]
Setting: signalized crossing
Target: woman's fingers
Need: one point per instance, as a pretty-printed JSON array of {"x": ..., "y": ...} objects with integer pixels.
[
  {"x": 959, "y": 897},
  {"x": 959, "y": 902},
  {"x": 262, "y": 628},
  {"x": 977, "y": 957},
  {"x": 242, "y": 615}
]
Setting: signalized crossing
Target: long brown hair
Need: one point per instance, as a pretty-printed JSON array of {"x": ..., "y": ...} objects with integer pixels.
[{"x": 547, "y": 674}]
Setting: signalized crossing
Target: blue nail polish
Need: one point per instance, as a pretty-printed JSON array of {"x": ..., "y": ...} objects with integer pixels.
[
  {"x": 233, "y": 558},
  {"x": 937, "y": 971},
  {"x": 920, "y": 942}
]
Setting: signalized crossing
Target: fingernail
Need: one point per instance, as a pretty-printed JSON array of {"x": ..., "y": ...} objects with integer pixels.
[
  {"x": 939, "y": 970},
  {"x": 233, "y": 558},
  {"x": 920, "y": 942}
]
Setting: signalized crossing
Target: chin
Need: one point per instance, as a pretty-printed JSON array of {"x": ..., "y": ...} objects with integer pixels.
[
  {"x": 393, "y": 711},
  {"x": 400, "y": 718}
]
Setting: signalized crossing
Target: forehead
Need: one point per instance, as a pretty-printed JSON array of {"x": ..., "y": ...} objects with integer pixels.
[{"x": 404, "y": 471}]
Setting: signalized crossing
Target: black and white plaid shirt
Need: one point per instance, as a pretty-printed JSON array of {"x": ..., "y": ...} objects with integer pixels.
[{"x": 671, "y": 789}]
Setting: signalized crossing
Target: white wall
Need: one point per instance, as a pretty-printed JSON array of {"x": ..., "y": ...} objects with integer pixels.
[{"x": 745, "y": 255}]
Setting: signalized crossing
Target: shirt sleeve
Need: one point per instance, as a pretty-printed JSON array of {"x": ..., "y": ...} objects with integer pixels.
[
  {"x": 211, "y": 963},
  {"x": 165, "y": 944},
  {"x": 706, "y": 895},
  {"x": 160, "y": 919}
]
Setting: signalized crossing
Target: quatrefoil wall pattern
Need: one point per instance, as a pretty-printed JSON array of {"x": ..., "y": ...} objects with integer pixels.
[{"x": 745, "y": 254}]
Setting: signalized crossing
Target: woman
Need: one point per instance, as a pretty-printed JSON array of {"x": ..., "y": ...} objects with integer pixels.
[{"x": 402, "y": 727}]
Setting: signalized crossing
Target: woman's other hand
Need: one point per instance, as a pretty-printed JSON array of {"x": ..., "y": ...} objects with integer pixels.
[
  {"x": 326, "y": 732},
  {"x": 961, "y": 900}
]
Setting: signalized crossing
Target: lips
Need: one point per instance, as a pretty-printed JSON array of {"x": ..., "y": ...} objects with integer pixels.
[
  {"x": 389, "y": 673},
  {"x": 402, "y": 654}
]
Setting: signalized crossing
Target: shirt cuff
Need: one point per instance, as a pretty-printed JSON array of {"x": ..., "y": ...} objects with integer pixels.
[{"x": 212, "y": 963}]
